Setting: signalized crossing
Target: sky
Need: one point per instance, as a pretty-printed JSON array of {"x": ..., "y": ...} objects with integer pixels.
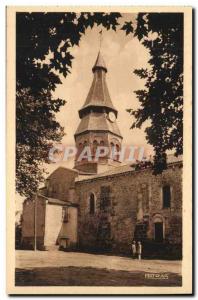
[{"x": 122, "y": 54}]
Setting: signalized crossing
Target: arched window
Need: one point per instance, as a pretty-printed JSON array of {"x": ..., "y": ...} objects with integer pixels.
[
  {"x": 80, "y": 147},
  {"x": 112, "y": 145},
  {"x": 92, "y": 204},
  {"x": 102, "y": 145},
  {"x": 112, "y": 150},
  {"x": 117, "y": 156},
  {"x": 166, "y": 194},
  {"x": 95, "y": 145},
  {"x": 84, "y": 145}
]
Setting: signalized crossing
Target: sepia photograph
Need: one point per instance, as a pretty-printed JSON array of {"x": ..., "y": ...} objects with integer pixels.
[{"x": 99, "y": 144}]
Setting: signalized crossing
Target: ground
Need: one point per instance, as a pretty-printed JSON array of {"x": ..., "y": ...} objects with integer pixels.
[{"x": 42, "y": 268}]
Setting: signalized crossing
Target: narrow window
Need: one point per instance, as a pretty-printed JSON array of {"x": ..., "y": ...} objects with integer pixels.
[
  {"x": 85, "y": 144},
  {"x": 102, "y": 145},
  {"x": 65, "y": 215},
  {"x": 117, "y": 157},
  {"x": 95, "y": 145},
  {"x": 166, "y": 196},
  {"x": 92, "y": 204},
  {"x": 112, "y": 150},
  {"x": 80, "y": 147}
]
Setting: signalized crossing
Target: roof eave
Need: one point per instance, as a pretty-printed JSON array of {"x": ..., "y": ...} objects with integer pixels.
[
  {"x": 90, "y": 106},
  {"x": 95, "y": 130}
]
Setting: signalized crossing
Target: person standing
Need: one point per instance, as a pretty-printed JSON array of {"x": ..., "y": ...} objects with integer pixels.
[
  {"x": 139, "y": 250},
  {"x": 134, "y": 249}
]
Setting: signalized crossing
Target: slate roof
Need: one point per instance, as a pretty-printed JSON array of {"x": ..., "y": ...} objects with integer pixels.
[
  {"x": 97, "y": 122},
  {"x": 100, "y": 63},
  {"x": 98, "y": 94}
]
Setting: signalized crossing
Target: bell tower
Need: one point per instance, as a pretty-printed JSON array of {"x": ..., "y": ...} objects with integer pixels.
[{"x": 98, "y": 126}]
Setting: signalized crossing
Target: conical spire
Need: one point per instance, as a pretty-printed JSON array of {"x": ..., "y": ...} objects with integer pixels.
[
  {"x": 98, "y": 96},
  {"x": 99, "y": 64}
]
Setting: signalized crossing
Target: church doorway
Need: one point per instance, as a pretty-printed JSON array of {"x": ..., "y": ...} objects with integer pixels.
[{"x": 159, "y": 232}]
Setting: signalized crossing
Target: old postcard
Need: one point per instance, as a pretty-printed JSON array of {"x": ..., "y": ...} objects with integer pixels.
[{"x": 99, "y": 150}]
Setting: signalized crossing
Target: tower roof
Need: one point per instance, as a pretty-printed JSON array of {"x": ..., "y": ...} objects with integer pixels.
[
  {"x": 97, "y": 122},
  {"x": 100, "y": 63},
  {"x": 98, "y": 95}
]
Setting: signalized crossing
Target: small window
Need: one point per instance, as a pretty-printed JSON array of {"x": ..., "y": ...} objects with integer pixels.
[
  {"x": 166, "y": 196},
  {"x": 80, "y": 147},
  {"x": 117, "y": 157},
  {"x": 102, "y": 145},
  {"x": 79, "y": 150},
  {"x": 85, "y": 144},
  {"x": 111, "y": 150},
  {"x": 92, "y": 204},
  {"x": 65, "y": 215},
  {"x": 95, "y": 145}
]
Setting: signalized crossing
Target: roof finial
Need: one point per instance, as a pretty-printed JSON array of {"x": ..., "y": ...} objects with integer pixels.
[
  {"x": 100, "y": 32},
  {"x": 99, "y": 64}
]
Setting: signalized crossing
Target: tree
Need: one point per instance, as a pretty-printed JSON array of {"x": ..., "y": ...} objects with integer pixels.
[
  {"x": 161, "y": 102},
  {"x": 43, "y": 43}
]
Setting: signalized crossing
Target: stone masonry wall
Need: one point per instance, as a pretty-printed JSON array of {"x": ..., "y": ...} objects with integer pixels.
[
  {"x": 60, "y": 185},
  {"x": 135, "y": 198}
]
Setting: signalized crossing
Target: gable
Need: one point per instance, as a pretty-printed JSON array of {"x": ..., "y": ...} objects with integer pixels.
[{"x": 61, "y": 171}]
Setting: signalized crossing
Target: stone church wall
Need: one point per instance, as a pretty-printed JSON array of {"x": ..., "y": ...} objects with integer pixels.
[
  {"x": 60, "y": 184},
  {"x": 135, "y": 199}
]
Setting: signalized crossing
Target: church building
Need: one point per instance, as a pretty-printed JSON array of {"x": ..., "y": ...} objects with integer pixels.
[{"x": 103, "y": 205}]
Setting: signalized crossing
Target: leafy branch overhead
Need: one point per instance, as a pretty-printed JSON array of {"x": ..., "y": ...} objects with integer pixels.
[
  {"x": 128, "y": 27},
  {"x": 43, "y": 44},
  {"x": 161, "y": 102}
]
